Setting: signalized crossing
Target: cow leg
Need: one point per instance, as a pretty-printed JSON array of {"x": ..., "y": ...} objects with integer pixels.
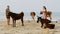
[
  {"x": 14, "y": 23},
  {"x": 41, "y": 24},
  {"x": 38, "y": 20},
  {"x": 33, "y": 17},
  {"x": 22, "y": 21}
]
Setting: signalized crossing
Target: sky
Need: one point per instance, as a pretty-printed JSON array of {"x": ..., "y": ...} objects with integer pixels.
[{"x": 29, "y": 5}]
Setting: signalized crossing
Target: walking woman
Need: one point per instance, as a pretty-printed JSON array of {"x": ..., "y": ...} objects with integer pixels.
[{"x": 7, "y": 15}]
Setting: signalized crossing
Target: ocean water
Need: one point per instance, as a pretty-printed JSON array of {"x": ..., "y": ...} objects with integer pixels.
[
  {"x": 55, "y": 15},
  {"x": 30, "y": 5}
]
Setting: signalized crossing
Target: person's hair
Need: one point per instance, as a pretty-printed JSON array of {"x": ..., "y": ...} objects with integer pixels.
[
  {"x": 44, "y": 7},
  {"x": 8, "y": 6}
]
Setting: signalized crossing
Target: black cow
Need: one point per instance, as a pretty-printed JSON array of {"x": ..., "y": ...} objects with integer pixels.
[
  {"x": 50, "y": 26},
  {"x": 43, "y": 21},
  {"x": 15, "y": 17}
]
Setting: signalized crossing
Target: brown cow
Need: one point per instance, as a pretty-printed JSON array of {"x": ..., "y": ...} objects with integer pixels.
[{"x": 32, "y": 14}]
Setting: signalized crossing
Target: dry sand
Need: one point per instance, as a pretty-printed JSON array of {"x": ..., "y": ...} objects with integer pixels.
[{"x": 30, "y": 27}]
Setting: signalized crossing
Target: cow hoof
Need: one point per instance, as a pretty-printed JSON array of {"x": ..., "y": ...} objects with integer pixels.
[
  {"x": 37, "y": 22},
  {"x": 14, "y": 26},
  {"x": 22, "y": 25},
  {"x": 8, "y": 24},
  {"x": 41, "y": 26}
]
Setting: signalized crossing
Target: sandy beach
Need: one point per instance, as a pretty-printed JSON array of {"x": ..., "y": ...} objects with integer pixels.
[{"x": 30, "y": 27}]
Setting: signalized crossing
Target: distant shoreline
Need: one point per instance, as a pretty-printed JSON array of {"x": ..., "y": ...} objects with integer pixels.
[{"x": 26, "y": 20}]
